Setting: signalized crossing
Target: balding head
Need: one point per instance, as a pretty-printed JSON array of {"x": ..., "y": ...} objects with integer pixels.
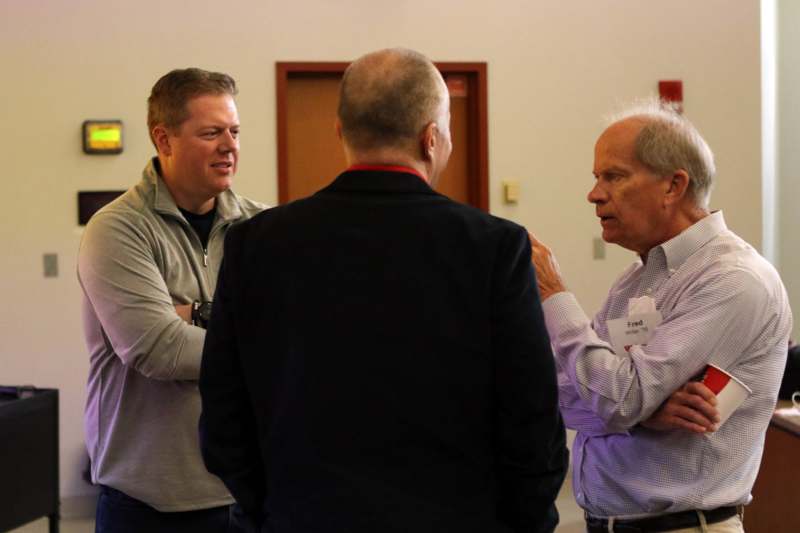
[
  {"x": 667, "y": 141},
  {"x": 387, "y": 98}
]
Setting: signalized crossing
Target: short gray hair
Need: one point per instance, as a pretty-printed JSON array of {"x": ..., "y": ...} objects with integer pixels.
[
  {"x": 668, "y": 141},
  {"x": 387, "y": 97}
]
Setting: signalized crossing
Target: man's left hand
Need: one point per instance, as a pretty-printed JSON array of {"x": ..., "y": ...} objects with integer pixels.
[
  {"x": 548, "y": 273},
  {"x": 185, "y": 312},
  {"x": 693, "y": 408}
]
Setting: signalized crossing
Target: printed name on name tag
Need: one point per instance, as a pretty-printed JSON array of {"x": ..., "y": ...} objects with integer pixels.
[{"x": 631, "y": 330}]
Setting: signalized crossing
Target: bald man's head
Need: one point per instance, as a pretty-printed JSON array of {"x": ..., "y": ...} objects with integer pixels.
[{"x": 388, "y": 97}]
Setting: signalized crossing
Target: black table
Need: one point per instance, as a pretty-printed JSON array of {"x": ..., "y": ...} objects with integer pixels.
[{"x": 28, "y": 457}]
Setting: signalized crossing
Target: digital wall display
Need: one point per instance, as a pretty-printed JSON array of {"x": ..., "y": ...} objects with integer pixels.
[{"x": 102, "y": 136}]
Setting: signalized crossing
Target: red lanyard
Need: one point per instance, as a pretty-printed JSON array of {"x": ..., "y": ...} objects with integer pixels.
[{"x": 389, "y": 168}]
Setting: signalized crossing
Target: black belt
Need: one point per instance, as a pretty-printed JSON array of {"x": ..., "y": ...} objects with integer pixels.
[{"x": 664, "y": 522}]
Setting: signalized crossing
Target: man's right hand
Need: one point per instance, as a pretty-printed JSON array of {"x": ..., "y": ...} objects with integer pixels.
[
  {"x": 548, "y": 273},
  {"x": 692, "y": 408}
]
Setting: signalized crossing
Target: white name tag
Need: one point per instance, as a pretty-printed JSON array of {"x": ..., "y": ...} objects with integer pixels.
[
  {"x": 641, "y": 305},
  {"x": 631, "y": 330}
]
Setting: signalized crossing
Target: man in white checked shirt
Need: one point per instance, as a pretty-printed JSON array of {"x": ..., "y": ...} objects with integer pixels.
[{"x": 647, "y": 458}]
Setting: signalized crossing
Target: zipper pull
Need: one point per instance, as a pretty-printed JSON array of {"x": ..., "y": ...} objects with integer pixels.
[{"x": 205, "y": 257}]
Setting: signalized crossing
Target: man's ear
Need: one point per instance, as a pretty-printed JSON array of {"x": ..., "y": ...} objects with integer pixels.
[
  {"x": 678, "y": 186},
  {"x": 428, "y": 141},
  {"x": 348, "y": 154},
  {"x": 161, "y": 138},
  {"x": 338, "y": 126}
]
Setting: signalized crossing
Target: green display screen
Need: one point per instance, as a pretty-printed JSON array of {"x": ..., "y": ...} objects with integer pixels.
[
  {"x": 106, "y": 135},
  {"x": 102, "y": 136}
]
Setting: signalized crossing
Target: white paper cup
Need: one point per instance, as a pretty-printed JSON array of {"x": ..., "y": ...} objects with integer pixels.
[{"x": 730, "y": 391}]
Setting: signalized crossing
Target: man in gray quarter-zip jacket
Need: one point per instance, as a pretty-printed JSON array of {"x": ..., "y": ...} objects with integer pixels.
[{"x": 147, "y": 263}]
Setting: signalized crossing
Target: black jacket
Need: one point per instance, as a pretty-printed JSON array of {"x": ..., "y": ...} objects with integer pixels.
[{"x": 377, "y": 361}]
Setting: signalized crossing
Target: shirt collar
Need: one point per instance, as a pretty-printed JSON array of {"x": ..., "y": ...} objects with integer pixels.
[
  {"x": 227, "y": 206},
  {"x": 679, "y": 248},
  {"x": 386, "y": 179}
]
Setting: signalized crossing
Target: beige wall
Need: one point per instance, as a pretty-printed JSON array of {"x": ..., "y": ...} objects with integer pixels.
[
  {"x": 554, "y": 69},
  {"x": 788, "y": 141}
]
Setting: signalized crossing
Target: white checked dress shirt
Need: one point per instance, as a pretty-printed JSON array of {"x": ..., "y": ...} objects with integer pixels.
[{"x": 722, "y": 303}]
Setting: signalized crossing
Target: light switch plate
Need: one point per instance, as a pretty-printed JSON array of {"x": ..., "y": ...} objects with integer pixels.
[
  {"x": 511, "y": 191},
  {"x": 598, "y": 248},
  {"x": 50, "y": 265}
]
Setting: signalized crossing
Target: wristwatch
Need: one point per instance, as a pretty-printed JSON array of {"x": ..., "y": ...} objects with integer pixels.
[{"x": 201, "y": 313}]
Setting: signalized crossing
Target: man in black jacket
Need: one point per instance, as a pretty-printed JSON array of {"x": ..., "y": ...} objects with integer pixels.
[{"x": 377, "y": 360}]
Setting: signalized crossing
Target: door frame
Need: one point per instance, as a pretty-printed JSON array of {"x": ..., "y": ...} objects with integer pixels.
[{"x": 477, "y": 122}]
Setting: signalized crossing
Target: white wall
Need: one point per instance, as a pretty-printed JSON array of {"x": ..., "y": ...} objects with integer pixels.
[
  {"x": 554, "y": 69},
  {"x": 788, "y": 165}
]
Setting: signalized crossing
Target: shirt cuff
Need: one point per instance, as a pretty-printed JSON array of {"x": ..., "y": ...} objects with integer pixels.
[{"x": 562, "y": 313}]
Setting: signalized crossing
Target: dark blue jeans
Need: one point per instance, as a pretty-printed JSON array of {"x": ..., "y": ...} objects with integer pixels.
[{"x": 119, "y": 513}]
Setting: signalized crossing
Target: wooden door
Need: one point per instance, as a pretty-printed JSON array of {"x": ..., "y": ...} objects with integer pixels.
[{"x": 310, "y": 156}]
